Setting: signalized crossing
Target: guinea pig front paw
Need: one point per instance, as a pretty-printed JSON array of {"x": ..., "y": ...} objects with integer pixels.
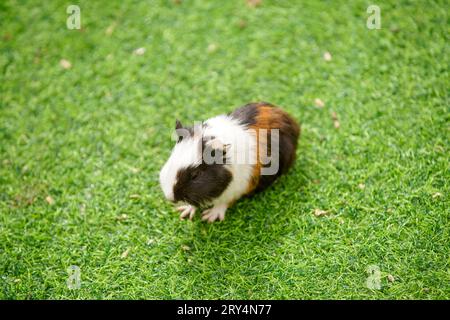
[
  {"x": 214, "y": 213},
  {"x": 187, "y": 210}
]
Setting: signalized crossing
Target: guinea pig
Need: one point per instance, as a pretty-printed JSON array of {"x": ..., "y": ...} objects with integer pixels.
[{"x": 218, "y": 161}]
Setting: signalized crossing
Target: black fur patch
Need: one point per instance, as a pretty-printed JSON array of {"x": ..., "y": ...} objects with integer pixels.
[
  {"x": 199, "y": 185},
  {"x": 246, "y": 115}
]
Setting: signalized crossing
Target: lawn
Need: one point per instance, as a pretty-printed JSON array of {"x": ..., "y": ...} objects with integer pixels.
[{"x": 86, "y": 118}]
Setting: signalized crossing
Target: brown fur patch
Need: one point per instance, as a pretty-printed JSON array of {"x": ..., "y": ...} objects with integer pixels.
[{"x": 271, "y": 117}]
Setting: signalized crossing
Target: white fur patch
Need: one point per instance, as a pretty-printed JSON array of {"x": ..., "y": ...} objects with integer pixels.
[
  {"x": 241, "y": 150},
  {"x": 184, "y": 154}
]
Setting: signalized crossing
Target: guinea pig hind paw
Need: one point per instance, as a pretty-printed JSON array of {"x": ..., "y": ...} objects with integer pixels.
[{"x": 186, "y": 211}]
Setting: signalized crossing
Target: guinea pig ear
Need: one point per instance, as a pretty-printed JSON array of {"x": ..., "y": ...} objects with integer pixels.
[
  {"x": 215, "y": 151},
  {"x": 215, "y": 143},
  {"x": 180, "y": 130}
]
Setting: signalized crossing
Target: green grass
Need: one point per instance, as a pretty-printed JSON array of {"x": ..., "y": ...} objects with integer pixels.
[{"x": 93, "y": 138}]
